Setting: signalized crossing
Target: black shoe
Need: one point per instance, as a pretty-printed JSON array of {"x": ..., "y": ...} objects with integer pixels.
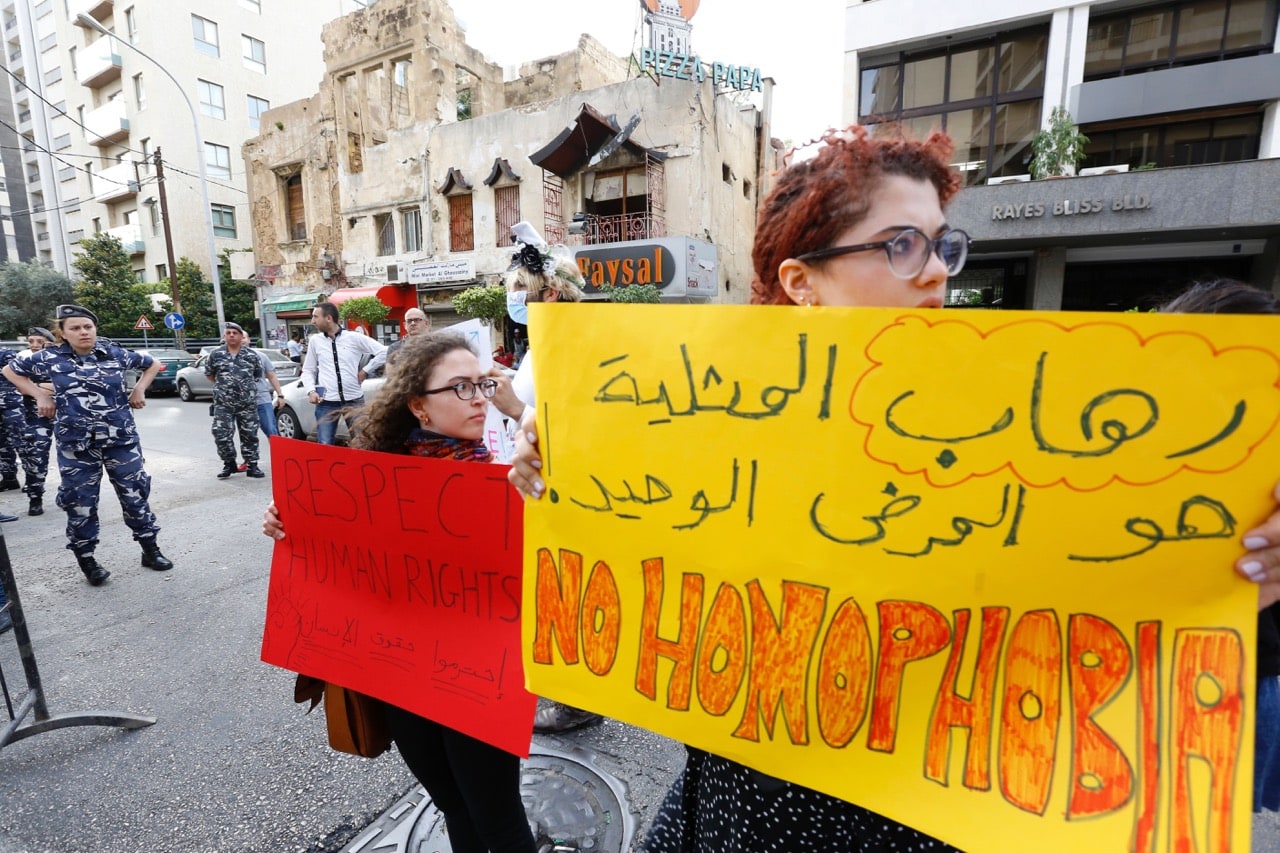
[
  {"x": 255, "y": 472},
  {"x": 228, "y": 469},
  {"x": 93, "y": 571},
  {"x": 6, "y": 621},
  {"x": 4, "y": 518},
  {"x": 554, "y": 717},
  {"x": 36, "y": 507},
  {"x": 152, "y": 558},
  {"x": 8, "y": 484}
]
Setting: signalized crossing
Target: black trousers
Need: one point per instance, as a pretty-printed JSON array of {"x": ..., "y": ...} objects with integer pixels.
[{"x": 476, "y": 786}]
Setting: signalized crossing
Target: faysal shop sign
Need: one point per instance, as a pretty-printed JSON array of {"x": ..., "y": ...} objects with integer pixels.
[{"x": 677, "y": 266}]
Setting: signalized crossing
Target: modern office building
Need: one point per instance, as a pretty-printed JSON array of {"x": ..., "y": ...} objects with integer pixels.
[
  {"x": 1181, "y": 105},
  {"x": 91, "y": 114}
]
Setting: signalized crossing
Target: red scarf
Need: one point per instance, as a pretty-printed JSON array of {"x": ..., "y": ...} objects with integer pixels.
[{"x": 432, "y": 445}]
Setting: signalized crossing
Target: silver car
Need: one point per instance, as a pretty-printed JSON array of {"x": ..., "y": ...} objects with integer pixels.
[
  {"x": 297, "y": 418},
  {"x": 192, "y": 383}
]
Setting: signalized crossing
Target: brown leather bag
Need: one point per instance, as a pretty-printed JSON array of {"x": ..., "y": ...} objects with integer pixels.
[{"x": 357, "y": 723}]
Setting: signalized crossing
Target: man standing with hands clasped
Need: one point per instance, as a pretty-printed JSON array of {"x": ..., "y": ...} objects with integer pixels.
[
  {"x": 235, "y": 370},
  {"x": 332, "y": 365}
]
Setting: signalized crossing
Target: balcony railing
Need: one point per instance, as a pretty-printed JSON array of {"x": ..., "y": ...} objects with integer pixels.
[
  {"x": 107, "y": 124},
  {"x": 116, "y": 182},
  {"x": 99, "y": 63},
  {"x": 130, "y": 236},
  {"x": 594, "y": 230}
]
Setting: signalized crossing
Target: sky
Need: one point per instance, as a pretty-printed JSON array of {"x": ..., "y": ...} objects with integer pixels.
[{"x": 799, "y": 43}]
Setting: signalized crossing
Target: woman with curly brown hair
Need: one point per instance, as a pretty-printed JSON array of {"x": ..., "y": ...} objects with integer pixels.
[{"x": 433, "y": 404}]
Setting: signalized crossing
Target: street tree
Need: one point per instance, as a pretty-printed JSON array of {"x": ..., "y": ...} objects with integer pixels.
[
  {"x": 28, "y": 294},
  {"x": 108, "y": 286},
  {"x": 482, "y": 302},
  {"x": 365, "y": 310}
]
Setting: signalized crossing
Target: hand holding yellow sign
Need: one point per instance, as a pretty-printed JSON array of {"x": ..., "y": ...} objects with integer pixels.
[{"x": 971, "y": 573}]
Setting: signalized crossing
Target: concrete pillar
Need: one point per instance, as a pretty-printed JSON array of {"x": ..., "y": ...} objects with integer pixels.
[
  {"x": 1045, "y": 281},
  {"x": 1266, "y": 266}
]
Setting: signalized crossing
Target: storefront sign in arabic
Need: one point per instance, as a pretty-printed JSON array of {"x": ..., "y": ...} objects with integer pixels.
[{"x": 436, "y": 272}]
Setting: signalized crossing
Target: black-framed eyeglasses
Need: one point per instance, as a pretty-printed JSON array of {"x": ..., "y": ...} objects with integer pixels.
[
  {"x": 467, "y": 390},
  {"x": 414, "y": 320},
  {"x": 908, "y": 251}
]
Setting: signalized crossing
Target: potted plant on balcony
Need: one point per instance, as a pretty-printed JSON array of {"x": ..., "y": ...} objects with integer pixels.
[{"x": 1059, "y": 148}]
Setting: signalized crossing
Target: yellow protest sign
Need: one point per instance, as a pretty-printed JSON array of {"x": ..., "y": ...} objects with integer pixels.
[{"x": 971, "y": 570}]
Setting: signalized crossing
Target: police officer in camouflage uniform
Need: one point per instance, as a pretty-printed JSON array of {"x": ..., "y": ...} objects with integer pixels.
[
  {"x": 94, "y": 431},
  {"x": 235, "y": 370},
  {"x": 39, "y": 431},
  {"x": 13, "y": 430}
]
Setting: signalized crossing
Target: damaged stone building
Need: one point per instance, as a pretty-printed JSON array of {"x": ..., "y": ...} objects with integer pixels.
[{"x": 401, "y": 177}]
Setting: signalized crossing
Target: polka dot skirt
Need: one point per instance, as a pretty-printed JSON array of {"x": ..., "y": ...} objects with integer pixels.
[{"x": 734, "y": 808}]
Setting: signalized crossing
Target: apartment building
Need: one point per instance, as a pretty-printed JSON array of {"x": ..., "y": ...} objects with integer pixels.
[
  {"x": 1180, "y": 100},
  {"x": 91, "y": 113}
]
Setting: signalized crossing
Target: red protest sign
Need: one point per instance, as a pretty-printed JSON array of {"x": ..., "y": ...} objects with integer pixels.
[{"x": 400, "y": 578}]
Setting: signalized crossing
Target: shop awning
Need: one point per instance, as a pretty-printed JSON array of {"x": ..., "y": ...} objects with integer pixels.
[
  {"x": 290, "y": 302},
  {"x": 390, "y": 295},
  {"x": 591, "y": 137}
]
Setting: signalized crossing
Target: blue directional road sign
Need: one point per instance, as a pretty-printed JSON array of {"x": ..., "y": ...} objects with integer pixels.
[{"x": 174, "y": 321}]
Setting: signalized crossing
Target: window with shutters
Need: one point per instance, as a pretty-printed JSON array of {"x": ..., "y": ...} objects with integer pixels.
[
  {"x": 462, "y": 237},
  {"x": 295, "y": 214},
  {"x": 506, "y": 203},
  {"x": 411, "y": 227},
  {"x": 385, "y": 229}
]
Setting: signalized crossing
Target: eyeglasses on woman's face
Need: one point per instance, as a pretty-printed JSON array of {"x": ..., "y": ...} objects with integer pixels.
[
  {"x": 466, "y": 390},
  {"x": 908, "y": 251}
]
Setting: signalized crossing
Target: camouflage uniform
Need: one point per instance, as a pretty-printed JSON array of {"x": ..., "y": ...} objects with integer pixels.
[
  {"x": 39, "y": 440},
  {"x": 13, "y": 431},
  {"x": 94, "y": 430},
  {"x": 235, "y": 402}
]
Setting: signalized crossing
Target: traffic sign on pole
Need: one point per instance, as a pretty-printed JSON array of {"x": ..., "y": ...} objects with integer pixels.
[
  {"x": 174, "y": 321},
  {"x": 143, "y": 323}
]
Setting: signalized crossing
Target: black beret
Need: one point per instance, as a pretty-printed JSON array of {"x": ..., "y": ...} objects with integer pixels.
[
  {"x": 39, "y": 331},
  {"x": 235, "y": 327},
  {"x": 66, "y": 312}
]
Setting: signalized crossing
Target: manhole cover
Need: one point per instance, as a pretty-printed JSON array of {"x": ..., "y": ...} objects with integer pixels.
[{"x": 568, "y": 799}]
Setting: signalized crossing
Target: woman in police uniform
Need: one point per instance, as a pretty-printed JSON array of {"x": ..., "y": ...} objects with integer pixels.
[{"x": 94, "y": 431}]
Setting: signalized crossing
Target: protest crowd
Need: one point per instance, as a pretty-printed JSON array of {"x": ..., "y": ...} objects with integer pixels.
[{"x": 860, "y": 224}]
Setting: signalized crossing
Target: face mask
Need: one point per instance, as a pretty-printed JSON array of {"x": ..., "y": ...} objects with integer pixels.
[{"x": 516, "y": 309}]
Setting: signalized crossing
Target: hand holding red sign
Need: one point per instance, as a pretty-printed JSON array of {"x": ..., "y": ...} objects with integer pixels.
[{"x": 400, "y": 578}]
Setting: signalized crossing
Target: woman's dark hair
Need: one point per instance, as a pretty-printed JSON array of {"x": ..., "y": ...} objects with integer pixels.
[
  {"x": 1222, "y": 296},
  {"x": 386, "y": 422},
  {"x": 817, "y": 200}
]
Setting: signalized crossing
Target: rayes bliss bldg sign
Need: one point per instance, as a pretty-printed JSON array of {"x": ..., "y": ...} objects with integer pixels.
[{"x": 1071, "y": 207}]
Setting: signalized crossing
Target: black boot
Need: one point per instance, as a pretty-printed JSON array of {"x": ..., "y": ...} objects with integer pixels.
[
  {"x": 255, "y": 472},
  {"x": 228, "y": 468},
  {"x": 36, "y": 507},
  {"x": 152, "y": 558},
  {"x": 9, "y": 483},
  {"x": 96, "y": 575}
]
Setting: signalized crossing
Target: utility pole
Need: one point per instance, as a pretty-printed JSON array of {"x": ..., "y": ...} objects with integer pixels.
[{"x": 179, "y": 335}]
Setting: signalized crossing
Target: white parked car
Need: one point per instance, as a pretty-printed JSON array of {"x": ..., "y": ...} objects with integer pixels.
[
  {"x": 192, "y": 383},
  {"x": 297, "y": 418}
]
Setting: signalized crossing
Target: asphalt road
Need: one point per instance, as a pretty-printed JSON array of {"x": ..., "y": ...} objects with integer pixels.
[{"x": 232, "y": 764}]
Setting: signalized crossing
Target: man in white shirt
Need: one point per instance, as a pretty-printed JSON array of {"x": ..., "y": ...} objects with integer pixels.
[{"x": 332, "y": 364}]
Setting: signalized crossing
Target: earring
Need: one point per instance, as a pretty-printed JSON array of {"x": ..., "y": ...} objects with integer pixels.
[{"x": 423, "y": 421}]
